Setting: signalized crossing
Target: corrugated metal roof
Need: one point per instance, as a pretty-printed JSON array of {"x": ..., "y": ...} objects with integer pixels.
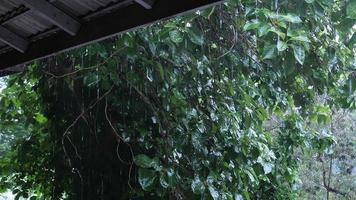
[
  {"x": 26, "y": 25},
  {"x": 81, "y": 8},
  {"x": 8, "y": 5},
  {"x": 29, "y": 23}
]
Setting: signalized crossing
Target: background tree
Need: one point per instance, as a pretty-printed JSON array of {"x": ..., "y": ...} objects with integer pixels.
[{"x": 331, "y": 174}]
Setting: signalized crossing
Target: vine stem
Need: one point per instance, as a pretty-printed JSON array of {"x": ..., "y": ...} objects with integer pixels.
[
  {"x": 67, "y": 133},
  {"x": 162, "y": 132},
  {"x": 88, "y": 68},
  {"x": 118, "y": 137}
]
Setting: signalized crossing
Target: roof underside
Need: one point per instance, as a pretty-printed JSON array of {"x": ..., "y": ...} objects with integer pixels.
[{"x": 33, "y": 29}]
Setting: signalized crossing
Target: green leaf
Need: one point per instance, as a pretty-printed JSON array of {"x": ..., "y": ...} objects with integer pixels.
[
  {"x": 301, "y": 38},
  {"x": 238, "y": 196},
  {"x": 163, "y": 180},
  {"x": 208, "y": 12},
  {"x": 269, "y": 52},
  {"x": 289, "y": 64},
  {"x": 214, "y": 192},
  {"x": 278, "y": 32},
  {"x": 252, "y": 25},
  {"x": 152, "y": 47},
  {"x": 40, "y": 118},
  {"x": 351, "y": 9},
  {"x": 146, "y": 178},
  {"x": 281, "y": 46},
  {"x": 352, "y": 41},
  {"x": 299, "y": 53},
  {"x": 128, "y": 40},
  {"x": 267, "y": 167},
  {"x": 91, "y": 79},
  {"x": 246, "y": 195},
  {"x": 291, "y": 18},
  {"x": 172, "y": 177},
  {"x": 160, "y": 70},
  {"x": 176, "y": 36},
  {"x": 263, "y": 30},
  {"x": 196, "y": 36},
  {"x": 252, "y": 176},
  {"x": 197, "y": 186},
  {"x": 145, "y": 162}
]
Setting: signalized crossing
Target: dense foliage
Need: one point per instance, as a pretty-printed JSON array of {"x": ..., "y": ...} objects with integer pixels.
[{"x": 181, "y": 109}]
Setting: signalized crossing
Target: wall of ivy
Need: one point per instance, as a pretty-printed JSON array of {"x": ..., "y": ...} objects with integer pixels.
[{"x": 182, "y": 109}]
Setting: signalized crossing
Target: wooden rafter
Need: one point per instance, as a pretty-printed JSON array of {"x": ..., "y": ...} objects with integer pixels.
[
  {"x": 146, "y": 3},
  {"x": 13, "y": 40},
  {"x": 54, "y": 15}
]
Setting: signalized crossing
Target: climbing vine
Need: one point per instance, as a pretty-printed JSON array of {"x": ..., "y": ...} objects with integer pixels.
[{"x": 180, "y": 109}]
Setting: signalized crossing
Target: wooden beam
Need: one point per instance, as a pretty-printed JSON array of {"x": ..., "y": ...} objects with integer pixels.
[
  {"x": 13, "y": 14},
  {"x": 146, "y": 3},
  {"x": 16, "y": 68},
  {"x": 13, "y": 40},
  {"x": 54, "y": 15}
]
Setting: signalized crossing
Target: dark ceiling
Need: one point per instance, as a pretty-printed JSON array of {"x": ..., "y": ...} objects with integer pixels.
[{"x": 33, "y": 29}]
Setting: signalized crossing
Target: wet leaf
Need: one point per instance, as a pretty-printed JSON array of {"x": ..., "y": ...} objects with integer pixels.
[
  {"x": 176, "y": 36},
  {"x": 145, "y": 162},
  {"x": 196, "y": 36},
  {"x": 281, "y": 46},
  {"x": 299, "y": 53},
  {"x": 269, "y": 52},
  {"x": 146, "y": 178},
  {"x": 197, "y": 186}
]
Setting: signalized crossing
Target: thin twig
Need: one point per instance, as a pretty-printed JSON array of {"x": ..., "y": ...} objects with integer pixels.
[{"x": 232, "y": 46}]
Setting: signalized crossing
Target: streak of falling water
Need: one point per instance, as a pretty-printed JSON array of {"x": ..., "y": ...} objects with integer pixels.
[
  {"x": 145, "y": 89},
  {"x": 256, "y": 7},
  {"x": 55, "y": 86},
  {"x": 220, "y": 20},
  {"x": 121, "y": 108},
  {"x": 97, "y": 84},
  {"x": 82, "y": 57},
  {"x": 130, "y": 89},
  {"x": 119, "y": 66}
]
